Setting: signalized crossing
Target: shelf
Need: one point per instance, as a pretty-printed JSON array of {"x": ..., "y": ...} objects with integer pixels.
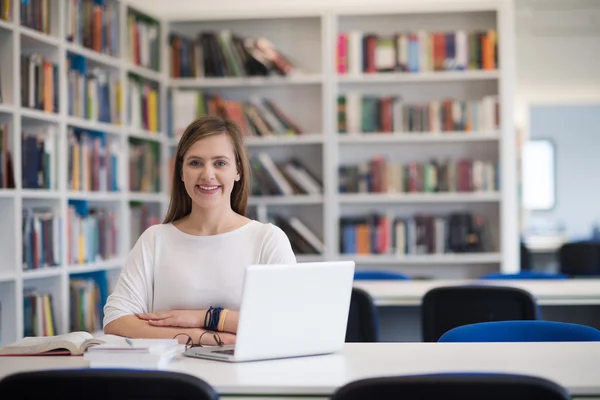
[
  {"x": 7, "y": 108},
  {"x": 40, "y": 194},
  {"x": 147, "y": 197},
  {"x": 7, "y": 25},
  {"x": 454, "y": 258},
  {"x": 92, "y": 55},
  {"x": 42, "y": 273},
  {"x": 7, "y": 193},
  {"x": 96, "y": 266},
  {"x": 284, "y": 140},
  {"x": 391, "y": 198},
  {"x": 309, "y": 258},
  {"x": 285, "y": 200},
  {"x": 95, "y": 196},
  {"x": 307, "y": 79},
  {"x": 417, "y": 77},
  {"x": 144, "y": 134},
  {"x": 421, "y": 137},
  {"x": 39, "y": 115},
  {"x": 95, "y": 125},
  {"x": 144, "y": 72},
  {"x": 7, "y": 277},
  {"x": 30, "y": 36}
]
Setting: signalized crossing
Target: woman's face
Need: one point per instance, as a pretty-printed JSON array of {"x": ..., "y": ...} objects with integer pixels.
[{"x": 209, "y": 171}]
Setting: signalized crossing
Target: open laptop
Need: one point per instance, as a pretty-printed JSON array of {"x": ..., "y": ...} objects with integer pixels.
[{"x": 289, "y": 310}]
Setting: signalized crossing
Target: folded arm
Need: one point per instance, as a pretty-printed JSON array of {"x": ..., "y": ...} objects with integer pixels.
[
  {"x": 134, "y": 327},
  {"x": 189, "y": 319}
]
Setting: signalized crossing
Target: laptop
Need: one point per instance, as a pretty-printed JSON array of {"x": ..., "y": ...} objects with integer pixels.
[{"x": 289, "y": 310}]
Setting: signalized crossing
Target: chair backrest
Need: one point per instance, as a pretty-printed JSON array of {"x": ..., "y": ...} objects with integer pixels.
[
  {"x": 526, "y": 275},
  {"x": 579, "y": 258},
  {"x": 522, "y": 331},
  {"x": 462, "y": 386},
  {"x": 379, "y": 275},
  {"x": 446, "y": 307},
  {"x": 103, "y": 384},
  {"x": 362, "y": 318}
]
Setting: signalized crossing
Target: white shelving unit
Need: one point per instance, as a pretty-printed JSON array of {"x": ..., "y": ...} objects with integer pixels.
[
  {"x": 309, "y": 39},
  {"x": 15, "y": 40}
]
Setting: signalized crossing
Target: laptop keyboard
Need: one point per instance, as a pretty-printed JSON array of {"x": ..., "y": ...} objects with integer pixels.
[{"x": 230, "y": 352}]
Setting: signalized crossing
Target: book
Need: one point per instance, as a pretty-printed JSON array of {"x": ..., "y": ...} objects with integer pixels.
[{"x": 73, "y": 343}]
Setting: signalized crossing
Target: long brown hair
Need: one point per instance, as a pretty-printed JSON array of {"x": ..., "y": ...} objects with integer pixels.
[{"x": 181, "y": 203}]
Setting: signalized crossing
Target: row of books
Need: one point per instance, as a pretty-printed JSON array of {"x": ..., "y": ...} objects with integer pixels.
[
  {"x": 142, "y": 216},
  {"x": 92, "y": 233},
  {"x": 95, "y": 94},
  {"x": 6, "y": 10},
  {"x": 143, "y": 40},
  {"x": 255, "y": 116},
  {"x": 418, "y": 234},
  {"x": 224, "y": 53},
  {"x": 38, "y": 313},
  {"x": 7, "y": 174},
  {"x": 38, "y": 161},
  {"x": 378, "y": 175},
  {"x": 142, "y": 97},
  {"x": 144, "y": 166},
  {"x": 86, "y": 305},
  {"x": 39, "y": 83},
  {"x": 358, "y": 52},
  {"x": 92, "y": 161},
  {"x": 359, "y": 113},
  {"x": 302, "y": 238},
  {"x": 36, "y": 14},
  {"x": 41, "y": 238},
  {"x": 93, "y": 24},
  {"x": 282, "y": 178}
]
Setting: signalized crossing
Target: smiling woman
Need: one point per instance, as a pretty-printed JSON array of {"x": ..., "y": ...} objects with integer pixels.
[{"x": 185, "y": 275}]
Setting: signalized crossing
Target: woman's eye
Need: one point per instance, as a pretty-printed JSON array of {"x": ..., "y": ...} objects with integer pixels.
[
  {"x": 194, "y": 163},
  {"x": 221, "y": 163}
]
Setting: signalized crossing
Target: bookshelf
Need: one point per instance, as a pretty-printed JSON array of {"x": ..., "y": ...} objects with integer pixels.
[
  {"x": 89, "y": 106},
  {"x": 309, "y": 97}
]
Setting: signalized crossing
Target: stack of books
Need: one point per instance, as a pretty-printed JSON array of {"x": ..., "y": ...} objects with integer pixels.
[{"x": 133, "y": 353}]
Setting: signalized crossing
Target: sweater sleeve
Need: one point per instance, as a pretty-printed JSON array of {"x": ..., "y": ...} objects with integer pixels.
[
  {"x": 277, "y": 248},
  {"x": 133, "y": 292}
]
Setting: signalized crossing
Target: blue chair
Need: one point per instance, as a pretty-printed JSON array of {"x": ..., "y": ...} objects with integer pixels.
[
  {"x": 465, "y": 386},
  {"x": 526, "y": 275},
  {"x": 379, "y": 275},
  {"x": 522, "y": 331}
]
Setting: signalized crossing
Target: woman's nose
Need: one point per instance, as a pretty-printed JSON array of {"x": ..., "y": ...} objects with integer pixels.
[{"x": 208, "y": 172}]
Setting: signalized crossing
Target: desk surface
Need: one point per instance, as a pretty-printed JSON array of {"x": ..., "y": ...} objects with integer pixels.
[
  {"x": 573, "y": 365},
  {"x": 548, "y": 292}
]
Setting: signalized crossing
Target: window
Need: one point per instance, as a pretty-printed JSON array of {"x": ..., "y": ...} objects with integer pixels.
[{"x": 538, "y": 175}]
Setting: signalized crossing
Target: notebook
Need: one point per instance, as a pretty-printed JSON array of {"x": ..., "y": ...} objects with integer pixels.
[{"x": 289, "y": 310}]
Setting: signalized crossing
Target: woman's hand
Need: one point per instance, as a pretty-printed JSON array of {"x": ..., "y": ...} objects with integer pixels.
[{"x": 179, "y": 318}]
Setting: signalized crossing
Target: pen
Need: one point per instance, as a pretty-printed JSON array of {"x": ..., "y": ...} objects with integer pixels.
[{"x": 129, "y": 342}]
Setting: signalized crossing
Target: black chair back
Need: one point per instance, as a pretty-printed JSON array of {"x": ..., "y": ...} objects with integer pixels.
[
  {"x": 579, "y": 258},
  {"x": 453, "y": 386},
  {"x": 103, "y": 384},
  {"x": 362, "y": 318},
  {"x": 444, "y": 308}
]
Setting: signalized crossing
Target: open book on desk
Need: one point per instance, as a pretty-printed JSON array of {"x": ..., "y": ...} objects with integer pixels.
[{"x": 73, "y": 343}]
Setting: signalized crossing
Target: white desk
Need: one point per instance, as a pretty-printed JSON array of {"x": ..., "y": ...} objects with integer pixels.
[
  {"x": 573, "y": 365},
  {"x": 548, "y": 292}
]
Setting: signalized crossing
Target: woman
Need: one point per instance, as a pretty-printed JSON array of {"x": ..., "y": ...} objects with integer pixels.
[{"x": 195, "y": 260}]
